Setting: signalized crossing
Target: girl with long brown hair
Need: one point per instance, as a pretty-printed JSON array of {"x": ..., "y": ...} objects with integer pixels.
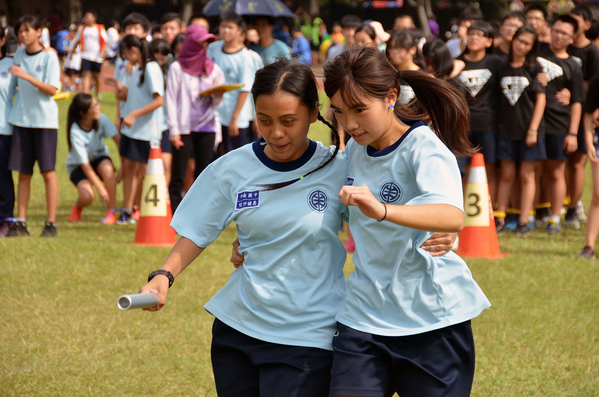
[{"x": 405, "y": 324}]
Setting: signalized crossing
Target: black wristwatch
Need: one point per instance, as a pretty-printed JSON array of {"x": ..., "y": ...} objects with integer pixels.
[{"x": 166, "y": 273}]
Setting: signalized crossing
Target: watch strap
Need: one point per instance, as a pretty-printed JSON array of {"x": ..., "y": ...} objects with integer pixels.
[{"x": 166, "y": 273}]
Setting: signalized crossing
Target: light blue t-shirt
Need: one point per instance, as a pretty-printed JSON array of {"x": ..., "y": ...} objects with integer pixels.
[
  {"x": 8, "y": 88},
  {"x": 86, "y": 146},
  {"x": 291, "y": 284},
  {"x": 32, "y": 108},
  {"x": 140, "y": 96},
  {"x": 273, "y": 52},
  {"x": 238, "y": 68},
  {"x": 124, "y": 77},
  {"x": 398, "y": 288}
]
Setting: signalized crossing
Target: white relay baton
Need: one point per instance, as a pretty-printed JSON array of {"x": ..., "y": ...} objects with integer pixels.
[{"x": 138, "y": 301}]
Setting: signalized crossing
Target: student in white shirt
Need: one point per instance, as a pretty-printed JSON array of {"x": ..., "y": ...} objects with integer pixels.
[
  {"x": 404, "y": 326},
  {"x": 92, "y": 39},
  {"x": 88, "y": 162},
  {"x": 34, "y": 116},
  {"x": 143, "y": 119}
]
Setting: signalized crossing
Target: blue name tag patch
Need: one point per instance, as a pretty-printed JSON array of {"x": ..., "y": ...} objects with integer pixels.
[{"x": 247, "y": 199}]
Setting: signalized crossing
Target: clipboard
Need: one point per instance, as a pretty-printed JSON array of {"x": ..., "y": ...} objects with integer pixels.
[{"x": 225, "y": 87}]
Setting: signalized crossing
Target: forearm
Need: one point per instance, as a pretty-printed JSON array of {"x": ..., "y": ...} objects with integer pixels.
[
  {"x": 575, "y": 115},
  {"x": 181, "y": 256},
  {"x": 429, "y": 217},
  {"x": 537, "y": 114},
  {"x": 149, "y": 108},
  {"x": 589, "y": 127},
  {"x": 91, "y": 175},
  {"x": 43, "y": 87}
]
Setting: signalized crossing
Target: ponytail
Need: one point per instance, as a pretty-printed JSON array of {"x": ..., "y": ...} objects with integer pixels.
[
  {"x": 145, "y": 53},
  {"x": 365, "y": 72}
]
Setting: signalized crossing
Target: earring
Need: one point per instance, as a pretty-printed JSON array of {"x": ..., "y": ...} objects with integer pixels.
[{"x": 391, "y": 107}]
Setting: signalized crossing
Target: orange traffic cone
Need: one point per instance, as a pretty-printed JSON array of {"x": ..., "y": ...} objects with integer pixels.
[
  {"x": 478, "y": 239},
  {"x": 154, "y": 227}
]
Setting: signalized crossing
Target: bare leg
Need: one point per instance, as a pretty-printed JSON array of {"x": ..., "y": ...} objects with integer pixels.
[
  {"x": 51, "y": 194},
  {"x": 508, "y": 174},
  {"x": 555, "y": 171},
  {"x": 85, "y": 194},
  {"x": 106, "y": 172},
  {"x": 527, "y": 176},
  {"x": 23, "y": 191},
  {"x": 593, "y": 217}
]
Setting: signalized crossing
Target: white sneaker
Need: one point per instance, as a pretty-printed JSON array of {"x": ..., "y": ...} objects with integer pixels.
[{"x": 580, "y": 212}]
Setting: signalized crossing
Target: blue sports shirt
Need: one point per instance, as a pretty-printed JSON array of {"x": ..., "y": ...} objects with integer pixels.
[
  {"x": 291, "y": 284},
  {"x": 397, "y": 287}
]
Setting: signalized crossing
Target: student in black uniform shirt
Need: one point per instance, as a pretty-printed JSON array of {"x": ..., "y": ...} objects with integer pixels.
[
  {"x": 520, "y": 130},
  {"x": 591, "y": 111},
  {"x": 586, "y": 55},
  {"x": 478, "y": 87},
  {"x": 510, "y": 22},
  {"x": 561, "y": 121}
]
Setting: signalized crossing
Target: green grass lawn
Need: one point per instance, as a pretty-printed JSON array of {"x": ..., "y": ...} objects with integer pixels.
[{"x": 63, "y": 335}]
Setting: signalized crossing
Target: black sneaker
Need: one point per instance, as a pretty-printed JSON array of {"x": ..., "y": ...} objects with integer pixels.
[
  {"x": 587, "y": 253},
  {"x": 521, "y": 230},
  {"x": 17, "y": 229},
  {"x": 50, "y": 230},
  {"x": 126, "y": 219},
  {"x": 571, "y": 220}
]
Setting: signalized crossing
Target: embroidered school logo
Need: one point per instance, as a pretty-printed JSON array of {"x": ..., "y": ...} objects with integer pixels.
[
  {"x": 553, "y": 71},
  {"x": 318, "y": 200},
  {"x": 474, "y": 80},
  {"x": 4, "y": 75},
  {"x": 577, "y": 60},
  {"x": 38, "y": 69},
  {"x": 247, "y": 199},
  {"x": 390, "y": 192},
  {"x": 513, "y": 87},
  {"x": 350, "y": 181}
]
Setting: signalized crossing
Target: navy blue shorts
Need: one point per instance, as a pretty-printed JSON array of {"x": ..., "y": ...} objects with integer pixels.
[
  {"x": 134, "y": 149},
  {"x": 518, "y": 151},
  {"x": 486, "y": 143},
  {"x": 245, "y": 136},
  {"x": 7, "y": 187},
  {"x": 554, "y": 147},
  {"x": 92, "y": 66},
  {"x": 30, "y": 145},
  {"x": 72, "y": 72},
  {"x": 165, "y": 143},
  {"x": 248, "y": 367},
  {"x": 78, "y": 175},
  {"x": 433, "y": 364}
]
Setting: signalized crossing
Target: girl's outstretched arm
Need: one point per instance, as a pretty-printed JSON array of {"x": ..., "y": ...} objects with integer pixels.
[
  {"x": 428, "y": 217},
  {"x": 182, "y": 254}
]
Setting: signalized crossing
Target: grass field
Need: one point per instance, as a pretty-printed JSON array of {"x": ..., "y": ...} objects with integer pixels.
[{"x": 62, "y": 334}]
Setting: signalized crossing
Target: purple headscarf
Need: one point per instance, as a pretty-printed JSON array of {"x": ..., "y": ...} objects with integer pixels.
[{"x": 192, "y": 58}]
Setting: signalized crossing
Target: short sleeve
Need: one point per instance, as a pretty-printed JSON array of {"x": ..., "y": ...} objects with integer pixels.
[
  {"x": 436, "y": 173},
  {"x": 155, "y": 79},
  {"x": 108, "y": 129},
  {"x": 52, "y": 70},
  {"x": 592, "y": 102},
  {"x": 78, "y": 150},
  {"x": 205, "y": 210},
  {"x": 577, "y": 88}
]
